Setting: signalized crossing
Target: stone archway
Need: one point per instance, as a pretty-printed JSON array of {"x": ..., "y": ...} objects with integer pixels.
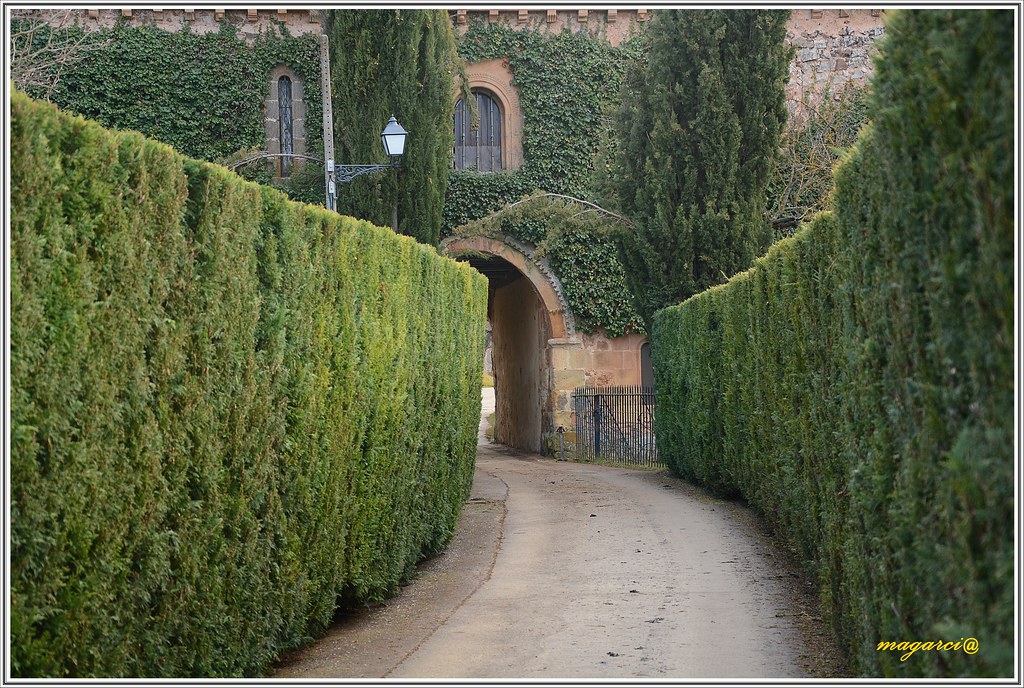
[
  {"x": 521, "y": 257},
  {"x": 531, "y": 326},
  {"x": 538, "y": 356}
]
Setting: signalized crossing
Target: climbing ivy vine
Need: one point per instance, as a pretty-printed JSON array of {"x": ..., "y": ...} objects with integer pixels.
[
  {"x": 203, "y": 94},
  {"x": 566, "y": 83}
]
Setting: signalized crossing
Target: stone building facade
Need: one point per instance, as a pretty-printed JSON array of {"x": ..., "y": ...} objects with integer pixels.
[
  {"x": 832, "y": 45},
  {"x": 549, "y": 359},
  {"x": 833, "y": 49}
]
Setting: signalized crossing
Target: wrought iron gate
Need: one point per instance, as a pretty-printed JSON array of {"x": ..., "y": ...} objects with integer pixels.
[{"x": 615, "y": 424}]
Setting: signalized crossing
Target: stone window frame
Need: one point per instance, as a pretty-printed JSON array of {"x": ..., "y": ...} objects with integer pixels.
[
  {"x": 494, "y": 77},
  {"x": 272, "y": 116}
]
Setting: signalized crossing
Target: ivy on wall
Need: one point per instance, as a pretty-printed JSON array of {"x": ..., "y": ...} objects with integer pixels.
[
  {"x": 203, "y": 94},
  {"x": 576, "y": 240},
  {"x": 566, "y": 83}
]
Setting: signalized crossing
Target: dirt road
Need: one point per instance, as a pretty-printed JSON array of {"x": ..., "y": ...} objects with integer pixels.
[{"x": 573, "y": 570}]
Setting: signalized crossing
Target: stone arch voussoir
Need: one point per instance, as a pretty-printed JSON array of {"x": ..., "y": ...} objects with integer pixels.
[{"x": 535, "y": 269}]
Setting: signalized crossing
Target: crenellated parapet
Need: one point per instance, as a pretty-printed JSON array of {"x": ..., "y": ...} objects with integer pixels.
[
  {"x": 251, "y": 21},
  {"x": 616, "y": 25}
]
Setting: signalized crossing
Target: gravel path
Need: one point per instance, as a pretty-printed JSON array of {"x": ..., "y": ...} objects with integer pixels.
[{"x": 562, "y": 570}]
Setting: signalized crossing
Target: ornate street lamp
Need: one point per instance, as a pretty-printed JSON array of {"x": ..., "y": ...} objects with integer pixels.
[{"x": 393, "y": 138}]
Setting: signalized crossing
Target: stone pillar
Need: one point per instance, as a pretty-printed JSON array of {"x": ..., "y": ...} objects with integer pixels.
[{"x": 568, "y": 371}]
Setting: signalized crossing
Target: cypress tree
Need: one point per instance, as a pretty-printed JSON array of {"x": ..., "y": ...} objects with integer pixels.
[
  {"x": 700, "y": 124},
  {"x": 401, "y": 63}
]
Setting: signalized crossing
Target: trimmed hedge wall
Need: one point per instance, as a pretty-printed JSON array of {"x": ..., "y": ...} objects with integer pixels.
[
  {"x": 857, "y": 383},
  {"x": 229, "y": 411}
]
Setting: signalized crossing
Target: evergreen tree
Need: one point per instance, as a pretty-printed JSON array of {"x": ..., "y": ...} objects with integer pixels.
[
  {"x": 401, "y": 63},
  {"x": 700, "y": 124}
]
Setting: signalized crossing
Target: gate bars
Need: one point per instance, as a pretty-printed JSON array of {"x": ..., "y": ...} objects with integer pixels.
[{"x": 615, "y": 424}]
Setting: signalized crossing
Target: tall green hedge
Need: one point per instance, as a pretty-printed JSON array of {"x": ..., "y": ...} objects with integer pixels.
[
  {"x": 857, "y": 383},
  {"x": 228, "y": 411}
]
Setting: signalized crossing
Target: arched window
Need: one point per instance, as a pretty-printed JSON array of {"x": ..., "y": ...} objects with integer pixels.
[
  {"x": 286, "y": 124},
  {"x": 479, "y": 149},
  {"x": 285, "y": 119}
]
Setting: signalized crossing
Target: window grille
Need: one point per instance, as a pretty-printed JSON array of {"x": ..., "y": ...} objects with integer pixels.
[
  {"x": 478, "y": 149},
  {"x": 284, "y": 100}
]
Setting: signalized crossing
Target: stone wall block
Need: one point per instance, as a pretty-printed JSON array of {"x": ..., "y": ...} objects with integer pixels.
[
  {"x": 608, "y": 360},
  {"x": 567, "y": 379},
  {"x": 560, "y": 357}
]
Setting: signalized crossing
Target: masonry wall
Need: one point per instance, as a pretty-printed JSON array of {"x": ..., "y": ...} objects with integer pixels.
[
  {"x": 520, "y": 366},
  {"x": 833, "y": 49},
  {"x": 588, "y": 360}
]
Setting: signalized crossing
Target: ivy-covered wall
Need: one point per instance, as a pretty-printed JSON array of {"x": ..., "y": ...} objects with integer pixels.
[
  {"x": 202, "y": 94},
  {"x": 566, "y": 82}
]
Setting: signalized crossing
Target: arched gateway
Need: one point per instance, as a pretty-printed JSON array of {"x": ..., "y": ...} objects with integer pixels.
[
  {"x": 529, "y": 321},
  {"x": 539, "y": 358}
]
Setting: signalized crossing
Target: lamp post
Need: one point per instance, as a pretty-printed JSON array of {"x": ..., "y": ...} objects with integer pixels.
[{"x": 392, "y": 138}]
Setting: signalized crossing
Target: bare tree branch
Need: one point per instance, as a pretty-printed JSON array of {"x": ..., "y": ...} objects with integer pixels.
[
  {"x": 571, "y": 199},
  {"x": 45, "y": 44},
  {"x": 802, "y": 181}
]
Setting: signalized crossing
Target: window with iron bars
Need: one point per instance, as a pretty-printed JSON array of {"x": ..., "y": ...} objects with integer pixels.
[{"x": 479, "y": 149}]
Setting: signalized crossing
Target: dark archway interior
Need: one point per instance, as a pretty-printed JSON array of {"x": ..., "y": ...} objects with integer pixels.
[
  {"x": 498, "y": 271},
  {"x": 519, "y": 335}
]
